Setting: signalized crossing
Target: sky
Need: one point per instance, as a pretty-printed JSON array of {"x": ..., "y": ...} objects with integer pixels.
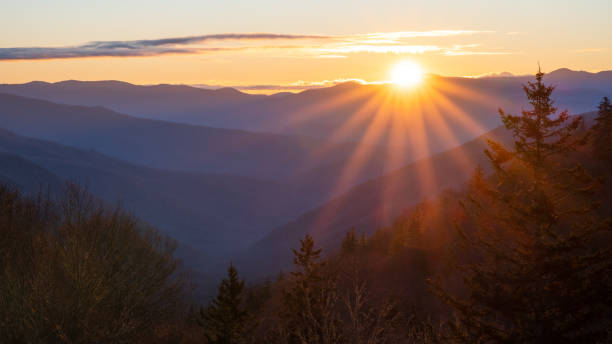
[{"x": 295, "y": 43}]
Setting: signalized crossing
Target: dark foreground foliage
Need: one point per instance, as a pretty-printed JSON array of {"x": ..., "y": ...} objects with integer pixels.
[
  {"x": 227, "y": 319},
  {"x": 75, "y": 271},
  {"x": 536, "y": 270}
]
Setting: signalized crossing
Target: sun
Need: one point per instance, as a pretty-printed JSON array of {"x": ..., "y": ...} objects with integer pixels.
[{"x": 406, "y": 74}]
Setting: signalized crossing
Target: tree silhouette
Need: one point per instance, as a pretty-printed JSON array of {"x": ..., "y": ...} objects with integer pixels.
[
  {"x": 76, "y": 271},
  {"x": 226, "y": 319},
  {"x": 602, "y": 132},
  {"x": 309, "y": 304},
  {"x": 532, "y": 269},
  {"x": 349, "y": 243},
  {"x": 407, "y": 233}
]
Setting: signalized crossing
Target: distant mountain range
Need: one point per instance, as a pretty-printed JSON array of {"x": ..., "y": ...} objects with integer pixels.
[
  {"x": 311, "y": 165},
  {"x": 223, "y": 171},
  {"x": 329, "y": 113}
]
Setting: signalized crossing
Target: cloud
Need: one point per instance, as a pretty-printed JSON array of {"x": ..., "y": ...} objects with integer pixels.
[
  {"x": 296, "y": 86},
  {"x": 315, "y": 46},
  {"x": 331, "y": 56},
  {"x": 397, "y": 48},
  {"x": 198, "y": 39},
  {"x": 381, "y": 48},
  {"x": 452, "y": 52},
  {"x": 79, "y": 52},
  {"x": 468, "y": 49},
  {"x": 394, "y": 42},
  {"x": 153, "y": 47},
  {"x": 399, "y": 35}
]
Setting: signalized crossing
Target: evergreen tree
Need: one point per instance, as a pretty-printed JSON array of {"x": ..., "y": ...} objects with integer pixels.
[
  {"x": 226, "y": 319},
  {"x": 602, "y": 132},
  {"x": 308, "y": 312},
  {"x": 363, "y": 241},
  {"x": 349, "y": 243},
  {"x": 407, "y": 232},
  {"x": 533, "y": 269}
]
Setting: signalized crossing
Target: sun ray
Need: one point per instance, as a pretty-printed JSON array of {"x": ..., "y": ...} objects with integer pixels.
[
  {"x": 462, "y": 158},
  {"x": 458, "y": 115},
  {"x": 313, "y": 110},
  {"x": 433, "y": 113},
  {"x": 356, "y": 162},
  {"x": 364, "y": 149},
  {"x": 358, "y": 118},
  {"x": 397, "y": 138}
]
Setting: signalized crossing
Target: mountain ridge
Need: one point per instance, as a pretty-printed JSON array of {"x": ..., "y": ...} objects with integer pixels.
[
  {"x": 325, "y": 113},
  {"x": 170, "y": 145},
  {"x": 558, "y": 71}
]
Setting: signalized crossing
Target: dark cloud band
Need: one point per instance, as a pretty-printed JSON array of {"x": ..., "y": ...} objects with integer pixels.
[{"x": 151, "y": 47}]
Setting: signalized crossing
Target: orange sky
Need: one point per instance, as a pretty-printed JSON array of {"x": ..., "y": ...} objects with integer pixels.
[{"x": 317, "y": 43}]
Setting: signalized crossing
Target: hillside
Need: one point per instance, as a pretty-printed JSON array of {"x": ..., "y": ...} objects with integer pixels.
[
  {"x": 175, "y": 146},
  {"x": 377, "y": 202},
  {"x": 373, "y": 204},
  {"x": 26, "y": 176},
  {"x": 213, "y": 214},
  {"x": 154, "y": 101}
]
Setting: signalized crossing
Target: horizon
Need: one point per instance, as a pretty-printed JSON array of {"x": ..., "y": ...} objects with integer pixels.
[
  {"x": 202, "y": 43},
  {"x": 300, "y": 86}
]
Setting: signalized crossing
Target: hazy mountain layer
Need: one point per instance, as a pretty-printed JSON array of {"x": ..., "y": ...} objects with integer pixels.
[
  {"x": 212, "y": 213},
  {"x": 312, "y": 165},
  {"x": 377, "y": 114}
]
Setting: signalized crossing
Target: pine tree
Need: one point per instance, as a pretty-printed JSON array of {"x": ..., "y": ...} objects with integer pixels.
[
  {"x": 602, "y": 132},
  {"x": 226, "y": 319},
  {"x": 308, "y": 312},
  {"x": 532, "y": 267},
  {"x": 368, "y": 322},
  {"x": 407, "y": 232},
  {"x": 349, "y": 243},
  {"x": 363, "y": 241}
]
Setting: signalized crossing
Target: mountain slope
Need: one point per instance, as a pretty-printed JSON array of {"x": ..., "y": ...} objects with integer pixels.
[
  {"x": 154, "y": 101},
  {"x": 372, "y": 204},
  {"x": 212, "y": 213},
  {"x": 377, "y": 202},
  {"x": 26, "y": 176},
  {"x": 168, "y": 145}
]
